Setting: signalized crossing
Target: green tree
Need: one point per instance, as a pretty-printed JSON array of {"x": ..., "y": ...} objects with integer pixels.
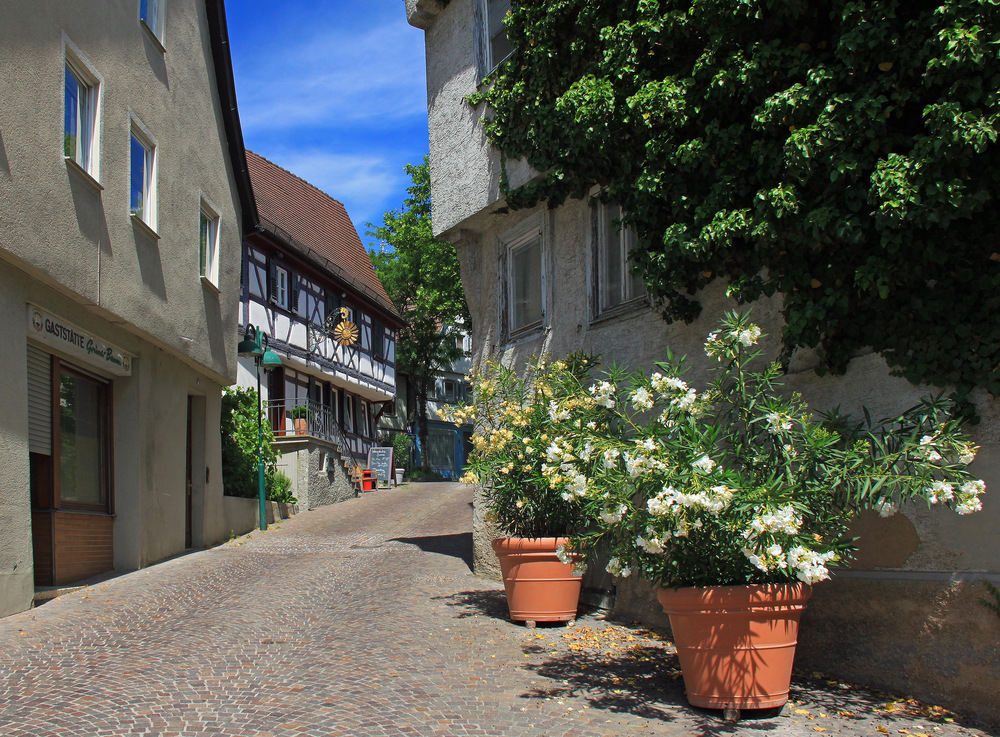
[
  {"x": 421, "y": 276},
  {"x": 239, "y": 445},
  {"x": 841, "y": 153}
]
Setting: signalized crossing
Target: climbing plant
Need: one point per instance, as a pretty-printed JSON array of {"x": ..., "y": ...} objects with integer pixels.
[{"x": 840, "y": 153}]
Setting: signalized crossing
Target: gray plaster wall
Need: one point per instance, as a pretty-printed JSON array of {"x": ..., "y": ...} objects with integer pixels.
[
  {"x": 68, "y": 245},
  {"x": 78, "y": 237},
  {"x": 895, "y": 620}
]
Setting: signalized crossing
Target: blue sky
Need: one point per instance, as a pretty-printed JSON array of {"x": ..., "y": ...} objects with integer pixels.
[{"x": 335, "y": 93}]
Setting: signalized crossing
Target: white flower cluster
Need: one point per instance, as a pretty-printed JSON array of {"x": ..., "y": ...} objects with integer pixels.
[
  {"x": 671, "y": 501},
  {"x": 615, "y": 568},
  {"x": 778, "y": 422},
  {"x": 611, "y": 457},
  {"x": 809, "y": 565},
  {"x": 651, "y": 543},
  {"x": 611, "y": 516},
  {"x": 556, "y": 414},
  {"x": 604, "y": 394},
  {"x": 640, "y": 464},
  {"x": 642, "y": 399},
  {"x": 927, "y": 449},
  {"x": 703, "y": 464},
  {"x": 748, "y": 336},
  {"x": 681, "y": 397},
  {"x": 967, "y": 497},
  {"x": 783, "y": 520}
]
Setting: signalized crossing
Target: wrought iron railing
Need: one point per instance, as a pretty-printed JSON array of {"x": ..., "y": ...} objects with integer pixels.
[{"x": 294, "y": 417}]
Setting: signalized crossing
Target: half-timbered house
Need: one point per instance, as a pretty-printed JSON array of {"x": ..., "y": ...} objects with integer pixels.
[{"x": 308, "y": 283}]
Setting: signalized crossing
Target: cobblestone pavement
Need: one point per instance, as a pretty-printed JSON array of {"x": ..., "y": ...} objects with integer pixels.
[{"x": 364, "y": 619}]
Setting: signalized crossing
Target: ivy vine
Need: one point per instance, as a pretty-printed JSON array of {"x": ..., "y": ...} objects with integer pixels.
[{"x": 840, "y": 153}]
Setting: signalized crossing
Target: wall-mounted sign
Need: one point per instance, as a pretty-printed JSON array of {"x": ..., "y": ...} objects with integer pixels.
[{"x": 46, "y": 328}]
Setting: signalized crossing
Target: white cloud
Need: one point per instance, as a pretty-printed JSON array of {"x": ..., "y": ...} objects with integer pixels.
[{"x": 332, "y": 76}]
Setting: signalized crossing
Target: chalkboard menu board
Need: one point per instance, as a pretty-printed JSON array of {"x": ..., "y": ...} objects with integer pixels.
[{"x": 380, "y": 461}]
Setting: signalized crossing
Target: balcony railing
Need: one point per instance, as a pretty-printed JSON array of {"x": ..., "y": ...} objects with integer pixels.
[{"x": 301, "y": 417}]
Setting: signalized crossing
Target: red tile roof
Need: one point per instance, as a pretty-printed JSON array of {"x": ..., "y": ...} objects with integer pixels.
[{"x": 307, "y": 217}]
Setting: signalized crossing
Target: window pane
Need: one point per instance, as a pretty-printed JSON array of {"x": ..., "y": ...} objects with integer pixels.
[
  {"x": 500, "y": 46},
  {"x": 611, "y": 257},
  {"x": 634, "y": 282},
  {"x": 138, "y": 179},
  {"x": 203, "y": 243},
  {"x": 72, "y": 115},
  {"x": 81, "y": 440},
  {"x": 526, "y": 274}
]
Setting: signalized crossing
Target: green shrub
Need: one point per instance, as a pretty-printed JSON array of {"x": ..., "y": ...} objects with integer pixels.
[{"x": 238, "y": 424}]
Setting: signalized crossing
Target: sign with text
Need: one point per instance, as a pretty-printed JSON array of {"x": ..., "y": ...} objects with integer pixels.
[
  {"x": 45, "y": 327},
  {"x": 380, "y": 461}
]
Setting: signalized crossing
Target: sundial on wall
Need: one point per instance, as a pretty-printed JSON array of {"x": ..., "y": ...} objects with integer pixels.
[{"x": 344, "y": 331}]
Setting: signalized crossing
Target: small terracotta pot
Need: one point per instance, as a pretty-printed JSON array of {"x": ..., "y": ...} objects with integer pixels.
[
  {"x": 300, "y": 425},
  {"x": 736, "y": 644},
  {"x": 540, "y": 587}
]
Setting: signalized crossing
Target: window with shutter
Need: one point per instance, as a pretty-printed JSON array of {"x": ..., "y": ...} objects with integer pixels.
[{"x": 39, "y": 401}]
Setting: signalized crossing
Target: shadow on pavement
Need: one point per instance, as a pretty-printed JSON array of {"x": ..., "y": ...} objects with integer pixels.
[
  {"x": 457, "y": 546},
  {"x": 478, "y": 603}
]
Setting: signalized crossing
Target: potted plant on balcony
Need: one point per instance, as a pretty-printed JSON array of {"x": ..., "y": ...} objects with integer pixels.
[
  {"x": 301, "y": 414},
  {"x": 523, "y": 491},
  {"x": 735, "y": 501}
]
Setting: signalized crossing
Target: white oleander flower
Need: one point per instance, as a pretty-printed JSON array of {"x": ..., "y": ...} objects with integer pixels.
[
  {"x": 615, "y": 568},
  {"x": 703, "y": 464},
  {"x": 642, "y": 399},
  {"x": 778, "y": 422}
]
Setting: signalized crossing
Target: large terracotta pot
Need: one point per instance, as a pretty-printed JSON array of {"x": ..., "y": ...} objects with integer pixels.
[
  {"x": 540, "y": 587},
  {"x": 736, "y": 644}
]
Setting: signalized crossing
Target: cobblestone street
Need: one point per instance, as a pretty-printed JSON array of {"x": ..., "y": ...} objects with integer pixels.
[{"x": 363, "y": 618}]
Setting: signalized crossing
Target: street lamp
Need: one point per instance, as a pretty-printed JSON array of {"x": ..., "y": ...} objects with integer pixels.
[{"x": 254, "y": 345}]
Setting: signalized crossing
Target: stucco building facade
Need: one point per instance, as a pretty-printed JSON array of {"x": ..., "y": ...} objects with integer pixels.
[
  {"x": 906, "y": 616},
  {"x": 125, "y": 197}
]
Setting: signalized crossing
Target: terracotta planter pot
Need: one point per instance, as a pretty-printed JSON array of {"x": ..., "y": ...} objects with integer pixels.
[
  {"x": 540, "y": 587},
  {"x": 736, "y": 644},
  {"x": 300, "y": 425}
]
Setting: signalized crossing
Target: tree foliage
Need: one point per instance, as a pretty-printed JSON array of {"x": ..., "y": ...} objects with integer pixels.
[
  {"x": 239, "y": 446},
  {"x": 421, "y": 276},
  {"x": 841, "y": 153}
]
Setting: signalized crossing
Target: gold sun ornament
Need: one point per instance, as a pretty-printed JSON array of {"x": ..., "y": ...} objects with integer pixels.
[{"x": 346, "y": 333}]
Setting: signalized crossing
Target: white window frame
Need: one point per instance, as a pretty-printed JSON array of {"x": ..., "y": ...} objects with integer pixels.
[
  {"x": 281, "y": 277},
  {"x": 86, "y": 154},
  {"x": 140, "y": 134},
  {"x": 489, "y": 13},
  {"x": 527, "y": 233},
  {"x": 153, "y": 18},
  {"x": 208, "y": 252},
  {"x": 631, "y": 291}
]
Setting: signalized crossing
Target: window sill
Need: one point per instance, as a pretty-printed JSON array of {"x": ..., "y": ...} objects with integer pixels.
[
  {"x": 632, "y": 308},
  {"x": 144, "y": 226},
  {"x": 83, "y": 174},
  {"x": 207, "y": 282},
  {"x": 153, "y": 37}
]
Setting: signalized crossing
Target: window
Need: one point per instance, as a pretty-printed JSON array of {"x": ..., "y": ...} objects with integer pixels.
[
  {"x": 615, "y": 281},
  {"x": 151, "y": 14},
  {"x": 208, "y": 244},
  {"x": 525, "y": 277},
  {"x": 281, "y": 287},
  {"x": 494, "y": 46},
  {"x": 80, "y": 124},
  {"x": 142, "y": 177}
]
